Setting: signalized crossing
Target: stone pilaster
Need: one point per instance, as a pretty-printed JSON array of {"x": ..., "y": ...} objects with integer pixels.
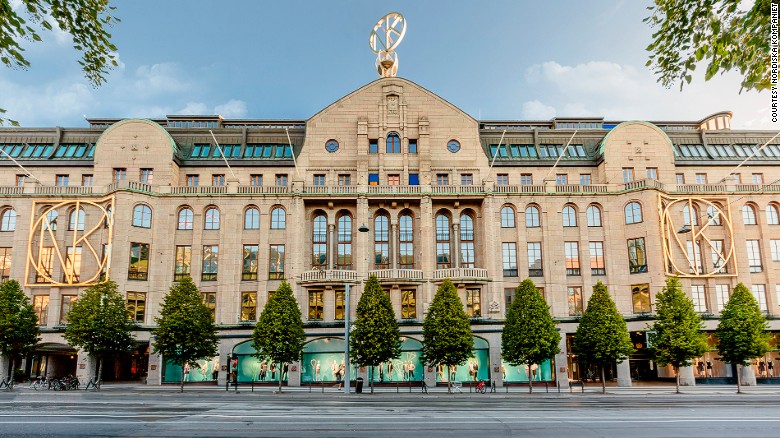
[
  {"x": 562, "y": 364},
  {"x": 686, "y": 377},
  {"x": 624, "y": 374},
  {"x": 86, "y": 368},
  {"x": 748, "y": 375}
]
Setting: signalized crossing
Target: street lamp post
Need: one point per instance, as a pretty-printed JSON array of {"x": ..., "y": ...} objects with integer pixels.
[{"x": 363, "y": 229}]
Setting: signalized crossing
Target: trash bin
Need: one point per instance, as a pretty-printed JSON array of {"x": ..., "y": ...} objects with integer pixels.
[{"x": 359, "y": 385}]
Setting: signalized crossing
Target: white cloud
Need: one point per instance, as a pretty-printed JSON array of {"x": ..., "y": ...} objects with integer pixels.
[
  {"x": 194, "y": 109},
  {"x": 535, "y": 110},
  {"x": 47, "y": 105},
  {"x": 232, "y": 109},
  {"x": 162, "y": 78}
]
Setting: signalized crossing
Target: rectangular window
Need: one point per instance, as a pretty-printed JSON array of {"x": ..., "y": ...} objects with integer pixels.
[
  {"x": 316, "y": 306},
  {"x": 412, "y": 146},
  {"x": 139, "y": 261},
  {"x": 248, "y": 306},
  {"x": 597, "y": 265},
  {"x": 345, "y": 180},
  {"x": 466, "y": 179},
  {"x": 757, "y": 178},
  {"x": 373, "y": 179},
  {"x": 640, "y": 298},
  {"x": 41, "y": 308},
  {"x": 572, "y": 253},
  {"x": 526, "y": 179},
  {"x": 62, "y": 180},
  {"x": 276, "y": 262},
  {"x": 651, "y": 173},
  {"x": 339, "y": 305},
  {"x": 146, "y": 176},
  {"x": 585, "y": 179},
  {"x": 699, "y": 298},
  {"x": 45, "y": 265},
  {"x": 20, "y": 179},
  {"x": 637, "y": 262},
  {"x": 442, "y": 255},
  {"x": 759, "y": 293},
  {"x": 535, "y": 259},
  {"x": 701, "y": 178},
  {"x": 442, "y": 179},
  {"x": 574, "y": 299},
  {"x": 394, "y": 180},
  {"x": 65, "y": 306},
  {"x": 319, "y": 180},
  {"x": 414, "y": 179},
  {"x": 694, "y": 256},
  {"x": 87, "y": 180},
  {"x": 120, "y": 173},
  {"x": 718, "y": 260},
  {"x": 5, "y": 264},
  {"x": 774, "y": 246},
  {"x": 209, "y": 300},
  {"x": 136, "y": 305},
  {"x": 680, "y": 178},
  {"x": 281, "y": 180},
  {"x": 473, "y": 303},
  {"x": 210, "y": 259},
  {"x": 192, "y": 180},
  {"x": 509, "y": 252},
  {"x": 256, "y": 180},
  {"x": 754, "y": 256},
  {"x": 502, "y": 179},
  {"x": 183, "y": 260},
  {"x": 409, "y": 304},
  {"x": 249, "y": 266},
  {"x": 628, "y": 174},
  {"x": 561, "y": 179},
  {"x": 218, "y": 180},
  {"x": 373, "y": 146},
  {"x": 72, "y": 264},
  {"x": 722, "y": 292}
]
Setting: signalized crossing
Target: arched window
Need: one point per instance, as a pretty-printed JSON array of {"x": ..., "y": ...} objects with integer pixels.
[
  {"x": 569, "y": 216},
  {"x": 633, "y": 213},
  {"x": 185, "y": 219},
  {"x": 76, "y": 221},
  {"x": 713, "y": 215},
  {"x": 142, "y": 216},
  {"x": 594, "y": 216},
  {"x": 381, "y": 242},
  {"x": 466, "y": 241},
  {"x": 688, "y": 217},
  {"x": 532, "y": 216},
  {"x": 252, "y": 219},
  {"x": 772, "y": 217},
  {"x": 405, "y": 242},
  {"x": 109, "y": 218},
  {"x": 8, "y": 220},
  {"x": 344, "y": 249},
  {"x": 507, "y": 217},
  {"x": 212, "y": 219},
  {"x": 319, "y": 249},
  {"x": 442, "y": 242},
  {"x": 278, "y": 219},
  {"x": 393, "y": 143},
  {"x": 748, "y": 215},
  {"x": 51, "y": 220}
]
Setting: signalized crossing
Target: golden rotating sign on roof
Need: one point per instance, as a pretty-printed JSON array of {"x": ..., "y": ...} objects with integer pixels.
[{"x": 386, "y": 35}]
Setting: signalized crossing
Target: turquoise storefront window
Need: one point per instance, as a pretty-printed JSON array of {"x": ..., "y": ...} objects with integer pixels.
[
  {"x": 206, "y": 371},
  {"x": 323, "y": 361},
  {"x": 476, "y": 368},
  {"x": 541, "y": 372},
  {"x": 252, "y": 368},
  {"x": 406, "y": 368}
]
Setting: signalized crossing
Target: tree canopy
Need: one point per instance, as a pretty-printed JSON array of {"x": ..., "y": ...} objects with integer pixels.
[
  {"x": 85, "y": 20},
  {"x": 676, "y": 336},
  {"x": 717, "y": 32},
  {"x": 602, "y": 337},
  {"x": 99, "y": 322},
  {"x": 18, "y": 323},
  {"x": 185, "y": 329},
  {"x": 529, "y": 335},
  {"x": 375, "y": 337},
  {"x": 279, "y": 333},
  {"x": 447, "y": 338}
]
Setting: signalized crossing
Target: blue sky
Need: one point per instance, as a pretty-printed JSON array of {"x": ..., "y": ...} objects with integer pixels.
[{"x": 289, "y": 59}]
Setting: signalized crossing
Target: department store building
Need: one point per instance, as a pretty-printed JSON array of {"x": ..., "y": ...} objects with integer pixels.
[{"x": 566, "y": 202}]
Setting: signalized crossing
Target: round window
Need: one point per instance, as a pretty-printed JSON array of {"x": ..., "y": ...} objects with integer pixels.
[
  {"x": 453, "y": 146},
  {"x": 331, "y": 146}
]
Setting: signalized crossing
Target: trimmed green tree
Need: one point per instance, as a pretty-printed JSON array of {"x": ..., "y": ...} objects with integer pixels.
[
  {"x": 602, "y": 336},
  {"x": 529, "y": 335},
  {"x": 375, "y": 337},
  {"x": 99, "y": 323},
  {"x": 742, "y": 330},
  {"x": 279, "y": 333},
  {"x": 676, "y": 336},
  {"x": 185, "y": 331},
  {"x": 18, "y": 325},
  {"x": 447, "y": 338}
]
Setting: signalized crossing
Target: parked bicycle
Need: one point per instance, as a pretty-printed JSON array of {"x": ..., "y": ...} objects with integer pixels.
[
  {"x": 481, "y": 387},
  {"x": 39, "y": 383}
]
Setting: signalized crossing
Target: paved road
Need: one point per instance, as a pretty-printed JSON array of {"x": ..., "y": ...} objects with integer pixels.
[{"x": 215, "y": 413}]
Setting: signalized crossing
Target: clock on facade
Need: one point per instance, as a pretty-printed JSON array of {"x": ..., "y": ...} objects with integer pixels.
[
  {"x": 453, "y": 146},
  {"x": 331, "y": 146}
]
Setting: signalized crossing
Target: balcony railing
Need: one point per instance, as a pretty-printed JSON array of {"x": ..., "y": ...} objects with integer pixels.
[
  {"x": 398, "y": 274},
  {"x": 198, "y": 190},
  {"x": 389, "y": 190},
  {"x": 326, "y": 275},
  {"x": 461, "y": 273},
  {"x": 258, "y": 190}
]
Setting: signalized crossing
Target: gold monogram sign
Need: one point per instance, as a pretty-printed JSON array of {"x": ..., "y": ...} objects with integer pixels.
[{"x": 71, "y": 238}]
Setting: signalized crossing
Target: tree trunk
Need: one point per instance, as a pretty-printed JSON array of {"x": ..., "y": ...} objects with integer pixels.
[
  {"x": 530, "y": 380},
  {"x": 181, "y": 384},
  {"x": 677, "y": 379},
  {"x": 100, "y": 372},
  {"x": 603, "y": 381},
  {"x": 11, "y": 371},
  {"x": 449, "y": 379},
  {"x": 739, "y": 379},
  {"x": 280, "y": 378},
  {"x": 371, "y": 377}
]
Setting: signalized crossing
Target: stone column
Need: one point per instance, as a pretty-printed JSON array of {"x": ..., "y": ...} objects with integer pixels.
[
  {"x": 562, "y": 364},
  {"x": 394, "y": 256},
  {"x": 430, "y": 376},
  {"x": 748, "y": 375},
  {"x": 86, "y": 368},
  {"x": 331, "y": 263},
  {"x": 495, "y": 360},
  {"x": 5, "y": 363},
  {"x": 154, "y": 374},
  {"x": 624, "y": 374},
  {"x": 456, "y": 244},
  {"x": 686, "y": 377},
  {"x": 294, "y": 374}
]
